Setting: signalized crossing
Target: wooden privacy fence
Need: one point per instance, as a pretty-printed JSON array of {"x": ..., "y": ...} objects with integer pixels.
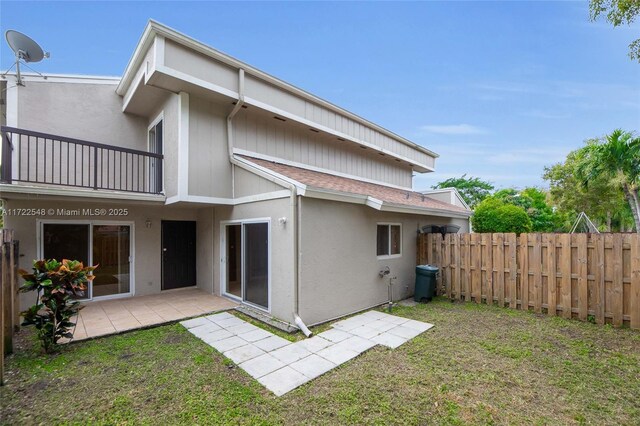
[
  {"x": 9, "y": 307},
  {"x": 588, "y": 276}
]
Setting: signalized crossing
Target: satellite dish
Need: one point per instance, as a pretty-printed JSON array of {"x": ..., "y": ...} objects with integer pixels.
[{"x": 25, "y": 49}]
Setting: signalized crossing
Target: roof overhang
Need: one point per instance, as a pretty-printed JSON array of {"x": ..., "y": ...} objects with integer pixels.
[
  {"x": 346, "y": 197},
  {"x": 154, "y": 29}
]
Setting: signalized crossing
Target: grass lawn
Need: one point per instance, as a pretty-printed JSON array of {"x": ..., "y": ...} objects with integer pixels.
[{"x": 478, "y": 365}]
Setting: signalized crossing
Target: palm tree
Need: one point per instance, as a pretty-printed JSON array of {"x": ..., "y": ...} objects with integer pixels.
[{"x": 617, "y": 157}]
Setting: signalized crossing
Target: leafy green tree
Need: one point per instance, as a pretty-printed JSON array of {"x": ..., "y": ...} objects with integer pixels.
[
  {"x": 534, "y": 202},
  {"x": 617, "y": 158},
  {"x": 494, "y": 215},
  {"x": 603, "y": 201},
  {"x": 618, "y": 12},
  {"x": 472, "y": 189}
]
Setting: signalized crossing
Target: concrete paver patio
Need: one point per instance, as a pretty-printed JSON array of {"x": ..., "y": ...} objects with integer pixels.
[
  {"x": 281, "y": 365},
  {"x": 117, "y": 315}
]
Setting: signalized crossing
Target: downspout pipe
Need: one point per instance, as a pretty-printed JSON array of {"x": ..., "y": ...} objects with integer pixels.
[{"x": 294, "y": 203}]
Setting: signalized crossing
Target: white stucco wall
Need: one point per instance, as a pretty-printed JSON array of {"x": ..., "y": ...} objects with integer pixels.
[
  {"x": 281, "y": 262},
  {"x": 91, "y": 112},
  {"x": 339, "y": 267},
  {"x": 147, "y": 241},
  {"x": 205, "y": 249}
]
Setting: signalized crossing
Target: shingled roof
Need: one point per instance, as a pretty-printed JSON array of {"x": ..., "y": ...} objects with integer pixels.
[{"x": 388, "y": 195}]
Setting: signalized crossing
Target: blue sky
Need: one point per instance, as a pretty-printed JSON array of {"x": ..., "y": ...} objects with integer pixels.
[{"x": 498, "y": 89}]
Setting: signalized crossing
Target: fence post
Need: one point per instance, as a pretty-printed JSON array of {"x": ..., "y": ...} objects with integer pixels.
[
  {"x": 447, "y": 264},
  {"x": 437, "y": 260},
  {"x": 524, "y": 272},
  {"x": 600, "y": 296},
  {"x": 457, "y": 275},
  {"x": 634, "y": 304},
  {"x": 488, "y": 241},
  {"x": 7, "y": 290},
  {"x": 617, "y": 294},
  {"x": 477, "y": 263},
  {"x": 467, "y": 267},
  {"x": 583, "y": 289},
  {"x": 513, "y": 270},
  {"x": 15, "y": 250},
  {"x": 536, "y": 265},
  {"x": 565, "y": 269},
  {"x": 552, "y": 282},
  {"x": 498, "y": 261}
]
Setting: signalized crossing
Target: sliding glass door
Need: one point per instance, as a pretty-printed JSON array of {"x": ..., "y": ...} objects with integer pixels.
[
  {"x": 67, "y": 241},
  {"x": 234, "y": 260},
  {"x": 256, "y": 263},
  {"x": 105, "y": 245},
  {"x": 247, "y": 262},
  {"x": 111, "y": 250}
]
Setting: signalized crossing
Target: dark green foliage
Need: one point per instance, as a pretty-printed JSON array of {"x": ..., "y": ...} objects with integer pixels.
[
  {"x": 616, "y": 158},
  {"x": 534, "y": 202},
  {"x": 618, "y": 12},
  {"x": 472, "y": 189},
  {"x": 56, "y": 284},
  {"x": 602, "y": 199},
  {"x": 494, "y": 215}
]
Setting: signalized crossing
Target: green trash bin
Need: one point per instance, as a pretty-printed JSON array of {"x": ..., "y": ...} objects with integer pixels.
[{"x": 425, "y": 283}]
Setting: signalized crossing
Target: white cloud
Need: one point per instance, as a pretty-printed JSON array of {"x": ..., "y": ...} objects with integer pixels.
[{"x": 454, "y": 129}]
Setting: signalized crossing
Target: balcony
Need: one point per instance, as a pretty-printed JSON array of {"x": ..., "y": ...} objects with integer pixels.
[{"x": 30, "y": 157}]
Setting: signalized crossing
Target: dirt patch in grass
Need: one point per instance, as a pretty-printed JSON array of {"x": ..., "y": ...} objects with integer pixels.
[
  {"x": 176, "y": 339},
  {"x": 478, "y": 365}
]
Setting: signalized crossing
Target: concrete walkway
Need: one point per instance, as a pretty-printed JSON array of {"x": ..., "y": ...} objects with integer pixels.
[{"x": 281, "y": 365}]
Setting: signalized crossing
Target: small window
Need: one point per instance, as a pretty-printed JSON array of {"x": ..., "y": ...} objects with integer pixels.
[
  {"x": 389, "y": 240},
  {"x": 155, "y": 164},
  {"x": 155, "y": 138}
]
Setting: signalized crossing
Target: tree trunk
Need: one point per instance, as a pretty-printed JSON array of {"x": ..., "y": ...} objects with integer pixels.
[
  {"x": 608, "y": 221},
  {"x": 636, "y": 199},
  {"x": 632, "y": 198}
]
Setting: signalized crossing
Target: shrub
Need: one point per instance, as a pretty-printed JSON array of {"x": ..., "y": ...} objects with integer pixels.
[
  {"x": 56, "y": 284},
  {"x": 493, "y": 215}
]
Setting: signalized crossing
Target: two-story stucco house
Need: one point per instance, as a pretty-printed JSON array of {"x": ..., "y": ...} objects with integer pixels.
[{"x": 196, "y": 169}]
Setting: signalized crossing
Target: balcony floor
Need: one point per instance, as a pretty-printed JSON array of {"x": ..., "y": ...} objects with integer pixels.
[{"x": 119, "y": 315}]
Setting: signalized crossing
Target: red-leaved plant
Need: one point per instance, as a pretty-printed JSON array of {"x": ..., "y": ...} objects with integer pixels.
[{"x": 56, "y": 284}]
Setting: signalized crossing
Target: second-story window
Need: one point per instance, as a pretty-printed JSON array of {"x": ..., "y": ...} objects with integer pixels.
[{"x": 155, "y": 164}]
